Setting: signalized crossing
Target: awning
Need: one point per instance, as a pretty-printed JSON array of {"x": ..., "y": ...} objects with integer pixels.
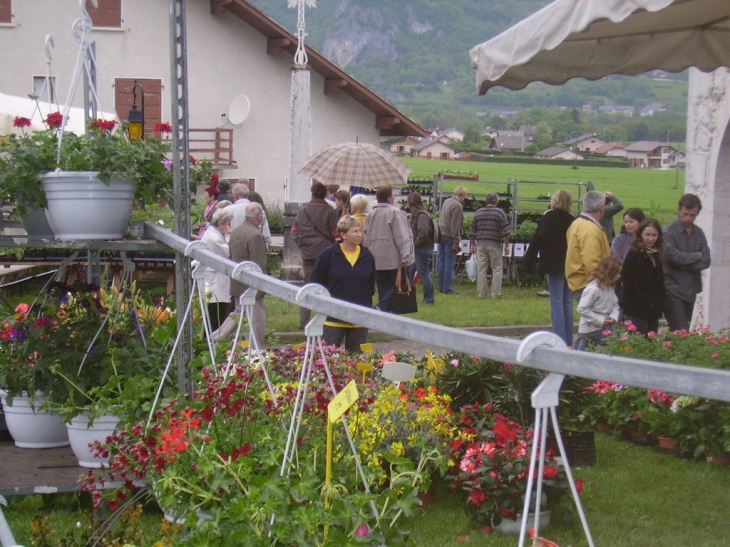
[{"x": 594, "y": 38}]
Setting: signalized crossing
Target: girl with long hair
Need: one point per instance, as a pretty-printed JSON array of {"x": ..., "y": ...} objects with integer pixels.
[
  {"x": 598, "y": 306},
  {"x": 643, "y": 278}
]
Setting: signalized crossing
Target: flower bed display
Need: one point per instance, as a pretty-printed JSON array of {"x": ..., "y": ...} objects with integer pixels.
[{"x": 695, "y": 425}]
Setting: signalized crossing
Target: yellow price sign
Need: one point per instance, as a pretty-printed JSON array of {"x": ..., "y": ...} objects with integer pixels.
[
  {"x": 344, "y": 400},
  {"x": 299, "y": 346},
  {"x": 366, "y": 347}
]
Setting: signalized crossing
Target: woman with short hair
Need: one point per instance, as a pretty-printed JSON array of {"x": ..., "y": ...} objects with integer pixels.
[
  {"x": 210, "y": 196},
  {"x": 218, "y": 284},
  {"x": 342, "y": 202},
  {"x": 347, "y": 270}
]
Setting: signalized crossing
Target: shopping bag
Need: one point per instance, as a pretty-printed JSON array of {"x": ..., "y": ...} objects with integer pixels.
[
  {"x": 472, "y": 267},
  {"x": 404, "y": 295}
]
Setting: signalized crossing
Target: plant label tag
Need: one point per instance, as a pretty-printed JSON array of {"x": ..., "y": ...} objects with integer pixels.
[{"x": 344, "y": 400}]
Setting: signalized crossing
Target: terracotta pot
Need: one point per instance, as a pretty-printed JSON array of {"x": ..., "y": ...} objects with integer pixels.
[
  {"x": 428, "y": 497},
  {"x": 602, "y": 426},
  {"x": 667, "y": 443}
]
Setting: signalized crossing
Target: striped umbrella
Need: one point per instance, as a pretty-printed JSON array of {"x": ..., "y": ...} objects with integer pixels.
[{"x": 356, "y": 164}]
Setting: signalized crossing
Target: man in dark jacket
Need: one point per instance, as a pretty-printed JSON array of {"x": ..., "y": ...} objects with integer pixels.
[
  {"x": 314, "y": 229},
  {"x": 347, "y": 271},
  {"x": 686, "y": 255},
  {"x": 247, "y": 244}
]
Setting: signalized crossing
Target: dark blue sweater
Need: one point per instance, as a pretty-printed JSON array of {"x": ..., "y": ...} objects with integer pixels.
[{"x": 354, "y": 284}]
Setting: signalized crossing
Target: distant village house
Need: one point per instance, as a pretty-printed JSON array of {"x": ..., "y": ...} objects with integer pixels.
[{"x": 558, "y": 153}]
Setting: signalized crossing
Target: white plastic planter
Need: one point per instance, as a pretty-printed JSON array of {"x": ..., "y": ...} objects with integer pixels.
[
  {"x": 31, "y": 427},
  {"x": 81, "y": 435},
  {"x": 80, "y": 206}
]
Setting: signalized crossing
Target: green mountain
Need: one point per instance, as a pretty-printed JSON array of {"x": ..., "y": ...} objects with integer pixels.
[{"x": 415, "y": 53}]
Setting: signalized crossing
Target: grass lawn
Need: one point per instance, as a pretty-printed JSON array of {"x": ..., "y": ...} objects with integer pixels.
[
  {"x": 651, "y": 189},
  {"x": 518, "y": 306}
]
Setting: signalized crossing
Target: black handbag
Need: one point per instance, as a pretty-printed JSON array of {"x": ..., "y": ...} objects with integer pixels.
[{"x": 404, "y": 295}]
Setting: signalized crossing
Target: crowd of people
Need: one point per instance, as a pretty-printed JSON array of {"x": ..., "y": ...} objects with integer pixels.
[
  {"x": 646, "y": 271},
  {"x": 639, "y": 275}
]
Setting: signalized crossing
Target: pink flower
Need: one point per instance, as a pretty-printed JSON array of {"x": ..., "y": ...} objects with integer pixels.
[
  {"x": 628, "y": 323},
  {"x": 606, "y": 333},
  {"x": 631, "y": 327},
  {"x": 167, "y": 164},
  {"x": 651, "y": 333},
  {"x": 667, "y": 344},
  {"x": 455, "y": 362},
  {"x": 363, "y": 530},
  {"x": 715, "y": 355}
]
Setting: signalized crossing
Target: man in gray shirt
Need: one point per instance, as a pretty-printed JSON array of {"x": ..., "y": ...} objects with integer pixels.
[{"x": 686, "y": 254}]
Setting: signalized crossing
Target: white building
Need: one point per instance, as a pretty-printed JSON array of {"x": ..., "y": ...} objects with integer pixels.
[{"x": 233, "y": 49}]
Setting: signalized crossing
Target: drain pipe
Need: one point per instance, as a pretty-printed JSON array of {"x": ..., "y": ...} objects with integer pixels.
[{"x": 6, "y": 536}]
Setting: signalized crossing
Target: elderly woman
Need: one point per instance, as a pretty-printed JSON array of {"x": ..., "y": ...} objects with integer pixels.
[
  {"x": 550, "y": 241},
  {"x": 218, "y": 283},
  {"x": 358, "y": 204},
  {"x": 347, "y": 270}
]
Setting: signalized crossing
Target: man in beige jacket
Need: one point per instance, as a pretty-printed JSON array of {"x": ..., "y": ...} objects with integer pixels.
[{"x": 450, "y": 221}]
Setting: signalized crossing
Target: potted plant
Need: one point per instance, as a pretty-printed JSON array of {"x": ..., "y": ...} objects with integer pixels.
[
  {"x": 117, "y": 378},
  {"x": 33, "y": 340},
  {"x": 490, "y": 461},
  {"x": 39, "y": 169},
  {"x": 403, "y": 422}
]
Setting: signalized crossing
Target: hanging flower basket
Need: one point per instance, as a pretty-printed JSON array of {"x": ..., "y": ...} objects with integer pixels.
[{"x": 80, "y": 206}]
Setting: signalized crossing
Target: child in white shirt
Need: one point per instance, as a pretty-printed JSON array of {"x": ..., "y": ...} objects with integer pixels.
[{"x": 598, "y": 306}]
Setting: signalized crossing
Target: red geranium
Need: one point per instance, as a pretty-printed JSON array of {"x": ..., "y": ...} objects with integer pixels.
[
  {"x": 550, "y": 472},
  {"x": 19, "y": 121},
  {"x": 54, "y": 120},
  {"x": 103, "y": 125},
  {"x": 163, "y": 128},
  {"x": 214, "y": 180}
]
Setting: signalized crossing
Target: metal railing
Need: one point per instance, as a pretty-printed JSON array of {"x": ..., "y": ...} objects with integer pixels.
[{"x": 700, "y": 382}]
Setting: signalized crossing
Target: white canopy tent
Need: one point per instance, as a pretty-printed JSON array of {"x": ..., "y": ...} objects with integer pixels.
[{"x": 594, "y": 38}]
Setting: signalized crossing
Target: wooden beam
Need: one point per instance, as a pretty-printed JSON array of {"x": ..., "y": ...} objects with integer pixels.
[
  {"x": 277, "y": 45},
  {"x": 218, "y": 6},
  {"x": 334, "y": 85},
  {"x": 386, "y": 122}
]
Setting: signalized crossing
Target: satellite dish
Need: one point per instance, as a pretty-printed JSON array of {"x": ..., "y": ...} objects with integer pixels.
[{"x": 239, "y": 110}]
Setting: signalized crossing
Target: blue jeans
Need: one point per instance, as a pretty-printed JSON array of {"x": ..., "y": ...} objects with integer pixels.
[
  {"x": 446, "y": 264},
  {"x": 595, "y": 336},
  {"x": 422, "y": 265},
  {"x": 561, "y": 307}
]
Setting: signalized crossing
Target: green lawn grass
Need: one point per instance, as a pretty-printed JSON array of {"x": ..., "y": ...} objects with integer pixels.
[
  {"x": 518, "y": 306},
  {"x": 653, "y": 190}
]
